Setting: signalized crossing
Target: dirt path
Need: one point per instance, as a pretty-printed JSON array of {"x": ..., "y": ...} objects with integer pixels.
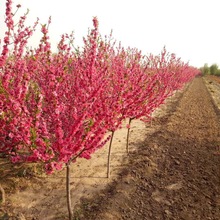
[{"x": 174, "y": 173}]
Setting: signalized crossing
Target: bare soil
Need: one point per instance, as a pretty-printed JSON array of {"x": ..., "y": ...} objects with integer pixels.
[{"x": 172, "y": 171}]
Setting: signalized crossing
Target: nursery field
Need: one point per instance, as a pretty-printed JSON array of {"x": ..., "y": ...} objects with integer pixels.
[
  {"x": 171, "y": 172},
  {"x": 101, "y": 131}
]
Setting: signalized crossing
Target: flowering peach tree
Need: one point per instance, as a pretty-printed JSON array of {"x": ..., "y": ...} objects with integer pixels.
[{"x": 56, "y": 107}]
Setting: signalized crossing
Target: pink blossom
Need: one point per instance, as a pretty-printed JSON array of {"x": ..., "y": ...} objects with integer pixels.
[{"x": 15, "y": 159}]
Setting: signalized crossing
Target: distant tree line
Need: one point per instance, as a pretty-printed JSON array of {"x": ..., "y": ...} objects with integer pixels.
[{"x": 210, "y": 70}]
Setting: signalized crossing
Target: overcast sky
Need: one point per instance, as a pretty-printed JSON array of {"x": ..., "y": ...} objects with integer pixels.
[{"x": 188, "y": 28}]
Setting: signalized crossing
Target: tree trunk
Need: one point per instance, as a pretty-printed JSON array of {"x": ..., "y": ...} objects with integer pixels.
[
  {"x": 109, "y": 155},
  {"x": 128, "y": 133},
  {"x": 68, "y": 191}
]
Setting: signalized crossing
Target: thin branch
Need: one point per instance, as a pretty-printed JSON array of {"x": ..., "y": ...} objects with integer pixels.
[{"x": 3, "y": 194}]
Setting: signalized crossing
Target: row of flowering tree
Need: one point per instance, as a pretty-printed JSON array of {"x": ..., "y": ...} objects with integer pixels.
[{"x": 56, "y": 107}]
